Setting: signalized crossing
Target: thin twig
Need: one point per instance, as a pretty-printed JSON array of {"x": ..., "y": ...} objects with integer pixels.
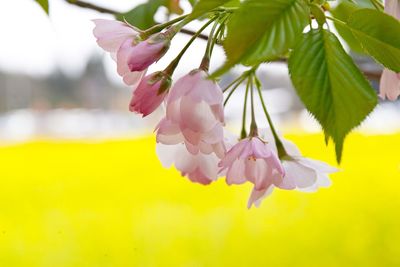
[
  {"x": 92, "y": 6},
  {"x": 190, "y": 32},
  {"x": 374, "y": 75}
]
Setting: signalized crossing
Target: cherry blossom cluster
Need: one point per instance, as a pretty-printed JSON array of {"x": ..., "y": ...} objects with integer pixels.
[{"x": 192, "y": 135}]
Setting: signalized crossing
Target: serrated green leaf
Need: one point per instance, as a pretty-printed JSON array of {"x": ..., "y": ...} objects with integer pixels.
[
  {"x": 44, "y": 4},
  {"x": 142, "y": 16},
  {"x": 330, "y": 85},
  {"x": 343, "y": 12},
  {"x": 204, "y": 6},
  {"x": 263, "y": 30},
  {"x": 379, "y": 35}
]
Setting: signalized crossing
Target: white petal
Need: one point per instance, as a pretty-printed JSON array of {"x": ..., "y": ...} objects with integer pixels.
[
  {"x": 166, "y": 154},
  {"x": 258, "y": 195},
  {"x": 318, "y": 166},
  {"x": 301, "y": 175}
]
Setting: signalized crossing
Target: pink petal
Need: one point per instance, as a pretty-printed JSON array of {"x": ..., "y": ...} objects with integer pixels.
[
  {"x": 168, "y": 133},
  {"x": 233, "y": 153},
  {"x": 389, "y": 85},
  {"x": 133, "y": 78},
  {"x": 111, "y": 34},
  {"x": 236, "y": 173},
  {"x": 146, "y": 53},
  {"x": 258, "y": 195},
  {"x": 196, "y": 116},
  {"x": 258, "y": 172},
  {"x": 298, "y": 174},
  {"x": 392, "y": 7},
  {"x": 145, "y": 98},
  {"x": 205, "y": 90}
]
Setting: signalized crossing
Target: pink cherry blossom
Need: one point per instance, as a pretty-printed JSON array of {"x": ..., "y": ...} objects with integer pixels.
[
  {"x": 122, "y": 57},
  {"x": 301, "y": 173},
  {"x": 118, "y": 38},
  {"x": 389, "y": 85},
  {"x": 142, "y": 55},
  {"x": 390, "y": 81},
  {"x": 200, "y": 168},
  {"x": 194, "y": 115},
  {"x": 150, "y": 93},
  {"x": 111, "y": 34},
  {"x": 253, "y": 160}
]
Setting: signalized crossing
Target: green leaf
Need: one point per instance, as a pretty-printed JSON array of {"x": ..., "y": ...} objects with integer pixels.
[
  {"x": 263, "y": 30},
  {"x": 343, "y": 12},
  {"x": 204, "y": 6},
  {"x": 330, "y": 85},
  {"x": 44, "y": 4},
  {"x": 379, "y": 35},
  {"x": 142, "y": 16}
]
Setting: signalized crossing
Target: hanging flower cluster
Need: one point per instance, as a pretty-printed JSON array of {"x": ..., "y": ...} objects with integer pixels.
[{"x": 192, "y": 134}]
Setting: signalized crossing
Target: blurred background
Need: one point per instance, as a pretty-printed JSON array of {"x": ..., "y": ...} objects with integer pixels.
[{"x": 80, "y": 183}]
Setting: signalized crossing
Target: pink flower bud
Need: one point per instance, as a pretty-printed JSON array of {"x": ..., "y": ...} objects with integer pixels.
[
  {"x": 150, "y": 93},
  {"x": 147, "y": 52},
  {"x": 118, "y": 38}
]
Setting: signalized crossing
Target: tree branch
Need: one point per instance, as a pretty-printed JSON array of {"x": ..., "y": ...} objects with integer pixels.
[
  {"x": 92, "y": 6},
  {"x": 372, "y": 75}
]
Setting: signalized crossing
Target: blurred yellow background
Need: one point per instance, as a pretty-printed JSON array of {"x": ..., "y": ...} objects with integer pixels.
[{"x": 65, "y": 203}]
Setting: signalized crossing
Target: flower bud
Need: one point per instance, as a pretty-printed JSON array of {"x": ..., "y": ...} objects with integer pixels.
[
  {"x": 150, "y": 92},
  {"x": 147, "y": 52}
]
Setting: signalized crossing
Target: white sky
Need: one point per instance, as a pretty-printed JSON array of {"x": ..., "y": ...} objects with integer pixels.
[{"x": 35, "y": 44}]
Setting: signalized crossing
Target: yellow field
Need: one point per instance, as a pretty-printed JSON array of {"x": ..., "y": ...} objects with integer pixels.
[{"x": 112, "y": 204}]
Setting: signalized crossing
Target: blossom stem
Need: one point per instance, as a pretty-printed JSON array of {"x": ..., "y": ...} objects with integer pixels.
[
  {"x": 219, "y": 31},
  {"x": 159, "y": 27},
  {"x": 205, "y": 62},
  {"x": 238, "y": 82},
  {"x": 337, "y": 21},
  {"x": 378, "y": 5},
  {"x": 243, "y": 133},
  {"x": 281, "y": 150},
  {"x": 172, "y": 66},
  {"x": 253, "y": 124}
]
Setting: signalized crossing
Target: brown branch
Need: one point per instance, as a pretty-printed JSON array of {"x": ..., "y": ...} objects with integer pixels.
[
  {"x": 372, "y": 75},
  {"x": 92, "y": 6},
  {"x": 190, "y": 32},
  {"x": 114, "y": 12}
]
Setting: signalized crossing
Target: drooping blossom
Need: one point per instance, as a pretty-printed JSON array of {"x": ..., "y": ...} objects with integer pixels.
[
  {"x": 194, "y": 115},
  {"x": 118, "y": 38},
  {"x": 150, "y": 93},
  {"x": 110, "y": 34},
  {"x": 200, "y": 168},
  {"x": 301, "y": 173},
  {"x": 145, "y": 53},
  {"x": 390, "y": 81},
  {"x": 253, "y": 160}
]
